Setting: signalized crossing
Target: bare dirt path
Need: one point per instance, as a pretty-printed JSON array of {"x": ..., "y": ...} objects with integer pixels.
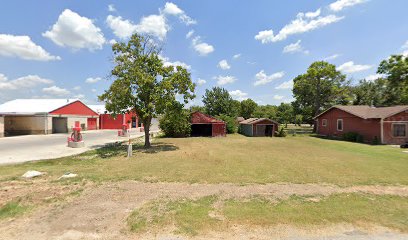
[{"x": 101, "y": 211}]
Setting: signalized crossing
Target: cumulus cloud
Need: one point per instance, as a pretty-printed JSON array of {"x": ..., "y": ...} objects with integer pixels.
[
  {"x": 223, "y": 64},
  {"x": 277, "y": 97},
  {"x": 173, "y": 9},
  {"x": 285, "y": 85},
  {"x": 201, "y": 82},
  {"x": 57, "y": 91},
  {"x": 190, "y": 34},
  {"x": 238, "y": 95},
  {"x": 405, "y": 49},
  {"x": 23, "y": 47},
  {"x": 111, "y": 8},
  {"x": 121, "y": 28},
  {"x": 75, "y": 31},
  {"x": 93, "y": 80},
  {"x": 28, "y": 81},
  {"x": 236, "y": 56},
  {"x": 79, "y": 96},
  {"x": 350, "y": 67},
  {"x": 262, "y": 78},
  {"x": 341, "y": 4},
  {"x": 295, "y": 47},
  {"x": 167, "y": 62},
  {"x": 374, "y": 77},
  {"x": 222, "y": 80},
  {"x": 332, "y": 57},
  {"x": 202, "y": 48},
  {"x": 154, "y": 25},
  {"x": 77, "y": 88},
  {"x": 304, "y": 22}
]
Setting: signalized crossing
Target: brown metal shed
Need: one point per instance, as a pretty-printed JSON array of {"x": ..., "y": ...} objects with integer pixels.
[
  {"x": 207, "y": 126},
  {"x": 258, "y": 127}
]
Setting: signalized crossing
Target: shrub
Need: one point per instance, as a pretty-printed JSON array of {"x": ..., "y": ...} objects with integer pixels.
[
  {"x": 353, "y": 137},
  {"x": 281, "y": 132},
  {"x": 375, "y": 141},
  {"x": 232, "y": 126},
  {"x": 175, "y": 123}
]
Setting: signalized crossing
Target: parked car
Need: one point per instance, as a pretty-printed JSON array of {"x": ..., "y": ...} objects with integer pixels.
[{"x": 405, "y": 145}]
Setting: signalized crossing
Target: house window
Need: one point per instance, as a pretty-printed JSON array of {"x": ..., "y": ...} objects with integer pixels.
[
  {"x": 399, "y": 130},
  {"x": 324, "y": 122},
  {"x": 339, "y": 124}
]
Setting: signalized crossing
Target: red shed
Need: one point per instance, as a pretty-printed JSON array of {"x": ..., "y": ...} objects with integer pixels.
[
  {"x": 389, "y": 125},
  {"x": 205, "y": 125}
]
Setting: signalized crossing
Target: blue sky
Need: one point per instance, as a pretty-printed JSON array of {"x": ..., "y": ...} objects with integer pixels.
[{"x": 62, "y": 49}]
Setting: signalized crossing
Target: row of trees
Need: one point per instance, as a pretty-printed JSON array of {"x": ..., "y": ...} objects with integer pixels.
[{"x": 322, "y": 86}]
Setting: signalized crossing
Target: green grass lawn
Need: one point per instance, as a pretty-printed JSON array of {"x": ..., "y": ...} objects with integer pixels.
[{"x": 235, "y": 159}]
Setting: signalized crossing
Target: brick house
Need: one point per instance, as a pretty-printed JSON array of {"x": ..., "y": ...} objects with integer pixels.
[{"x": 389, "y": 125}]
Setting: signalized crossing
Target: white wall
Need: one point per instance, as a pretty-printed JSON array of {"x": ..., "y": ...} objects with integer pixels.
[
  {"x": 1, "y": 126},
  {"x": 25, "y": 124}
]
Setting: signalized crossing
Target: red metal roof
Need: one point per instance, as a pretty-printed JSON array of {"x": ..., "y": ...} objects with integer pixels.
[{"x": 199, "y": 117}]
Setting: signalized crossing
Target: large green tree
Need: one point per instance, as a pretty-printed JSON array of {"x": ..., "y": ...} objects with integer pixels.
[
  {"x": 142, "y": 83},
  {"x": 266, "y": 111},
  {"x": 217, "y": 101},
  {"x": 247, "y": 108},
  {"x": 285, "y": 113},
  {"x": 369, "y": 92},
  {"x": 319, "y": 88},
  {"x": 395, "y": 69}
]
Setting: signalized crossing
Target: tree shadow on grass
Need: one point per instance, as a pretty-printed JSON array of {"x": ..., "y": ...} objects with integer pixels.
[
  {"x": 111, "y": 150},
  {"x": 155, "y": 148}
]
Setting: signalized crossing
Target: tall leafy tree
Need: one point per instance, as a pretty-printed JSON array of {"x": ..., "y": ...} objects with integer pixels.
[
  {"x": 266, "y": 111},
  {"x": 142, "y": 83},
  {"x": 319, "y": 88},
  {"x": 217, "y": 101},
  {"x": 369, "y": 92},
  {"x": 285, "y": 113},
  {"x": 395, "y": 69},
  {"x": 247, "y": 108}
]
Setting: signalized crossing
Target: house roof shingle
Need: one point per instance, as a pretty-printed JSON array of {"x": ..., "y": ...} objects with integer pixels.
[{"x": 367, "y": 112}]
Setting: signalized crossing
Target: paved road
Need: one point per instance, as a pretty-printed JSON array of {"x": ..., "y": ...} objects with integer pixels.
[{"x": 36, "y": 147}]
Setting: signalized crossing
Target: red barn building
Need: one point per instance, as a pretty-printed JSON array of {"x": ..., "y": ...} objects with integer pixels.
[
  {"x": 44, "y": 116},
  {"x": 107, "y": 121},
  {"x": 206, "y": 126},
  {"x": 389, "y": 125}
]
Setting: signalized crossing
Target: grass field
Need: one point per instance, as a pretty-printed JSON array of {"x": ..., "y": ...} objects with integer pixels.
[{"x": 234, "y": 159}]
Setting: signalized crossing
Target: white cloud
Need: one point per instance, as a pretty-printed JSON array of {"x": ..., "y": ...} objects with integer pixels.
[
  {"x": 201, "y": 82},
  {"x": 350, "y": 67},
  {"x": 154, "y": 25},
  {"x": 277, "y": 97},
  {"x": 112, "y": 41},
  {"x": 341, "y": 4},
  {"x": 23, "y": 47},
  {"x": 79, "y": 96},
  {"x": 405, "y": 49},
  {"x": 93, "y": 80},
  {"x": 173, "y": 9},
  {"x": 167, "y": 62},
  {"x": 121, "y": 28},
  {"x": 28, "y": 81},
  {"x": 72, "y": 30},
  {"x": 262, "y": 78},
  {"x": 332, "y": 57},
  {"x": 285, "y": 85},
  {"x": 190, "y": 34},
  {"x": 77, "y": 88},
  {"x": 304, "y": 22},
  {"x": 295, "y": 47},
  {"x": 93, "y": 90},
  {"x": 223, "y": 64},
  {"x": 202, "y": 48},
  {"x": 222, "y": 80},
  {"x": 374, "y": 77},
  {"x": 238, "y": 95},
  {"x": 111, "y": 8},
  {"x": 236, "y": 56},
  {"x": 54, "y": 90}
]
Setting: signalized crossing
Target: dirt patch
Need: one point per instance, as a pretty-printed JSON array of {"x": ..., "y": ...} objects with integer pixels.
[{"x": 100, "y": 212}]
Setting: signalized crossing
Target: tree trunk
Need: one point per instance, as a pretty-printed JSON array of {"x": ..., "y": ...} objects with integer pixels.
[{"x": 146, "y": 125}]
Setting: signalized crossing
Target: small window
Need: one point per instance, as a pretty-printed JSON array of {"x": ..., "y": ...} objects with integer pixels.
[
  {"x": 339, "y": 124},
  {"x": 399, "y": 130},
  {"x": 324, "y": 122}
]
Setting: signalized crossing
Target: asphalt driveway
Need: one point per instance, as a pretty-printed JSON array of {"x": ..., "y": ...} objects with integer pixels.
[{"x": 36, "y": 147}]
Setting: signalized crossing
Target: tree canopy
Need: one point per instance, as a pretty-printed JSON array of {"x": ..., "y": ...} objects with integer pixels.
[
  {"x": 217, "y": 101},
  {"x": 319, "y": 88},
  {"x": 247, "y": 108},
  {"x": 142, "y": 83}
]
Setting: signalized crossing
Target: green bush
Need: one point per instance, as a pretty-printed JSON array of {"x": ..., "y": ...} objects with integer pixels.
[
  {"x": 353, "y": 137},
  {"x": 176, "y": 123},
  {"x": 232, "y": 126},
  {"x": 281, "y": 132},
  {"x": 375, "y": 141}
]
